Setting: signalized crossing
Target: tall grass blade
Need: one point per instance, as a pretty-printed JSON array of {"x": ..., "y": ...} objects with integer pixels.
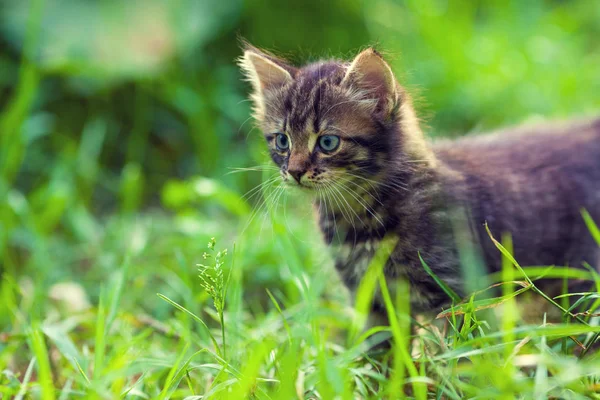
[
  {"x": 26, "y": 379},
  {"x": 447, "y": 289},
  {"x": 400, "y": 346},
  {"x": 366, "y": 289},
  {"x": 195, "y": 317},
  {"x": 39, "y": 349},
  {"x": 172, "y": 372},
  {"x": 591, "y": 225},
  {"x": 100, "y": 343}
]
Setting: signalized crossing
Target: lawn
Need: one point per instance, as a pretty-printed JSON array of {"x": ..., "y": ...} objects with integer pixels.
[{"x": 147, "y": 252}]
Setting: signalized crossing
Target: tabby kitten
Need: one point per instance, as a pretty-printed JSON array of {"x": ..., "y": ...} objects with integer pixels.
[{"x": 348, "y": 132}]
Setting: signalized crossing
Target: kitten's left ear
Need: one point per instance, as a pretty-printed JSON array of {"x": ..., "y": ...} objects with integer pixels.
[
  {"x": 265, "y": 72},
  {"x": 370, "y": 73}
]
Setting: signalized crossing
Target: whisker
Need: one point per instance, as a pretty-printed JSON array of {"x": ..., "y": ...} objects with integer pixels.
[
  {"x": 395, "y": 185},
  {"x": 257, "y": 168},
  {"x": 336, "y": 187},
  {"x": 365, "y": 191},
  {"x": 344, "y": 208},
  {"x": 272, "y": 205},
  {"x": 263, "y": 204},
  {"x": 341, "y": 208},
  {"x": 367, "y": 208},
  {"x": 244, "y": 123},
  {"x": 272, "y": 210},
  {"x": 287, "y": 224},
  {"x": 252, "y": 192},
  {"x": 336, "y": 231}
]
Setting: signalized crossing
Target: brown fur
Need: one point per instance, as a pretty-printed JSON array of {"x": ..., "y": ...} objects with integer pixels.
[
  {"x": 531, "y": 182},
  {"x": 385, "y": 179}
]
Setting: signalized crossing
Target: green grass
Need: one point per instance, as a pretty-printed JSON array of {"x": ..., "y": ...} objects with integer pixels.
[
  {"x": 153, "y": 331},
  {"x": 121, "y": 127}
]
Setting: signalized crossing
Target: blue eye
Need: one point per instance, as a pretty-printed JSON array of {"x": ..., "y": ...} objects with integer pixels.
[
  {"x": 282, "y": 142},
  {"x": 329, "y": 143}
]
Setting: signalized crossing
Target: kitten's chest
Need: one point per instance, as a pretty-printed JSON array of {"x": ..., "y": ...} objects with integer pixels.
[
  {"x": 352, "y": 260},
  {"x": 351, "y": 245}
]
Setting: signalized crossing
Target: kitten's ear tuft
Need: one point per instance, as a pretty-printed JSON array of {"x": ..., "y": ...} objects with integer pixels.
[
  {"x": 263, "y": 70},
  {"x": 371, "y": 74}
]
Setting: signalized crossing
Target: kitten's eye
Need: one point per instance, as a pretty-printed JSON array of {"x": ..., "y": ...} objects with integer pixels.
[
  {"x": 282, "y": 142},
  {"x": 329, "y": 143}
]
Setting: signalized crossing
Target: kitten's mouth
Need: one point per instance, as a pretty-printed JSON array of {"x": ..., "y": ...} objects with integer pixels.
[{"x": 302, "y": 186}]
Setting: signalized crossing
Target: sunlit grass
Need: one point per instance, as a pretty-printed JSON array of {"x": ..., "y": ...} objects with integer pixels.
[
  {"x": 116, "y": 147},
  {"x": 299, "y": 339}
]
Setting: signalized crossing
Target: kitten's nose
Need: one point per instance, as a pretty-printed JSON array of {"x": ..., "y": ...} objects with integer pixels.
[{"x": 296, "y": 173}]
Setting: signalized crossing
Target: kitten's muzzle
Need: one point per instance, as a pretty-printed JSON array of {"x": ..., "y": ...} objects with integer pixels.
[{"x": 296, "y": 174}]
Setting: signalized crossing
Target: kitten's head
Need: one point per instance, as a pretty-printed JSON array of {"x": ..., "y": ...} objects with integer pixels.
[{"x": 330, "y": 120}]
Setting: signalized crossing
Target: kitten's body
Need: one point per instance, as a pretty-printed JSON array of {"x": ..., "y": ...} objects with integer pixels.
[
  {"x": 531, "y": 183},
  {"x": 386, "y": 180}
]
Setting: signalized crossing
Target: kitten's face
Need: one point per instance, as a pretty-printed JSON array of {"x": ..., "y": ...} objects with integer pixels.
[{"x": 325, "y": 123}]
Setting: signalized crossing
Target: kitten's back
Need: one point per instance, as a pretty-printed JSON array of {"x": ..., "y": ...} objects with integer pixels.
[
  {"x": 530, "y": 144},
  {"x": 532, "y": 182}
]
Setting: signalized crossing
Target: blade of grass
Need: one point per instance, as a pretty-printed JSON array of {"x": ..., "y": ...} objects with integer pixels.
[
  {"x": 100, "y": 342},
  {"x": 194, "y": 316},
  {"x": 401, "y": 350},
  {"x": 12, "y": 148},
  {"x": 402, "y": 302},
  {"x": 509, "y": 310},
  {"x": 37, "y": 345},
  {"x": 596, "y": 278},
  {"x": 66, "y": 390},
  {"x": 26, "y": 379},
  {"x": 82, "y": 372},
  {"x": 117, "y": 293},
  {"x": 284, "y": 321},
  {"x": 545, "y": 272},
  {"x": 63, "y": 343},
  {"x": 591, "y": 225},
  {"x": 591, "y": 339},
  {"x": 225, "y": 287},
  {"x": 533, "y": 287},
  {"x": 447, "y": 289},
  {"x": 541, "y": 372},
  {"x": 172, "y": 372},
  {"x": 248, "y": 382},
  {"x": 367, "y": 286},
  {"x": 478, "y": 305}
]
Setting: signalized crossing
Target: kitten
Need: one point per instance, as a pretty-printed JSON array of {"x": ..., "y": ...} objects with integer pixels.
[{"x": 348, "y": 131}]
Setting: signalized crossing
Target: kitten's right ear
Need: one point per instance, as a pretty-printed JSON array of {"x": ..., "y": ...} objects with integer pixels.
[
  {"x": 265, "y": 72},
  {"x": 370, "y": 73}
]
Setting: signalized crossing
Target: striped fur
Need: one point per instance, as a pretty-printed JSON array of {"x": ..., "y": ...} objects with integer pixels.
[{"x": 386, "y": 179}]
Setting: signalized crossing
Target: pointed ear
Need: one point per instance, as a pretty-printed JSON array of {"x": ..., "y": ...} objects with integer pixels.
[
  {"x": 371, "y": 74},
  {"x": 265, "y": 72}
]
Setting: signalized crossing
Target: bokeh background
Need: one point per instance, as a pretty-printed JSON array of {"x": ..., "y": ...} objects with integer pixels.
[{"x": 121, "y": 123}]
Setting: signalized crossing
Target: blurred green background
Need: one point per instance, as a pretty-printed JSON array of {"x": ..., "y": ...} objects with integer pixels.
[
  {"x": 122, "y": 124},
  {"x": 121, "y": 120}
]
